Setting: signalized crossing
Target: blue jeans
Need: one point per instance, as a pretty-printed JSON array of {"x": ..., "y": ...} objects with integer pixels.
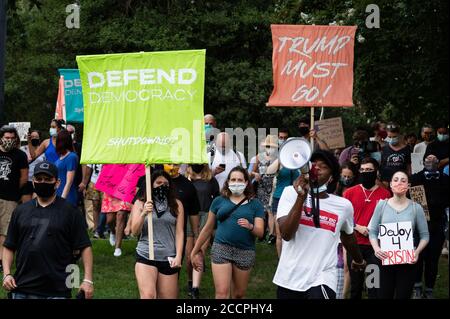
[
  {"x": 19, "y": 295},
  {"x": 101, "y": 224}
]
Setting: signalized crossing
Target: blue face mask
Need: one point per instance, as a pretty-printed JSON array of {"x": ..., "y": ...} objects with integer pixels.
[
  {"x": 442, "y": 137},
  {"x": 376, "y": 156},
  {"x": 392, "y": 140}
]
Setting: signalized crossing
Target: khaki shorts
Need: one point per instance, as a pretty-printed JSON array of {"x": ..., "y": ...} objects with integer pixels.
[{"x": 6, "y": 209}]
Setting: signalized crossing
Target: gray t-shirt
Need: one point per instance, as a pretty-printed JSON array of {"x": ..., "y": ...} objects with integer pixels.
[
  {"x": 384, "y": 213},
  {"x": 164, "y": 230}
]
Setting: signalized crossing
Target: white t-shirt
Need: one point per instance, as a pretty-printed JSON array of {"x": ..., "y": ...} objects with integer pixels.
[
  {"x": 230, "y": 159},
  {"x": 96, "y": 168},
  {"x": 309, "y": 259},
  {"x": 420, "y": 147}
]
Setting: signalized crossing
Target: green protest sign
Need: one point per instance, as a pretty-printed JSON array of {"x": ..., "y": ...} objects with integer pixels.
[{"x": 143, "y": 107}]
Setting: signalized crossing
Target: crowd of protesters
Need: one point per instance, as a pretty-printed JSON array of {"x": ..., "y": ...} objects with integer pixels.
[{"x": 50, "y": 208}]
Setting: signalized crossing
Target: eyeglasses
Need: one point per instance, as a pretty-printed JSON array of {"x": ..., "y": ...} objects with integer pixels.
[{"x": 366, "y": 170}]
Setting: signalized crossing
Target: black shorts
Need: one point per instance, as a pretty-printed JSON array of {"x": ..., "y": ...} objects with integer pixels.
[{"x": 162, "y": 266}]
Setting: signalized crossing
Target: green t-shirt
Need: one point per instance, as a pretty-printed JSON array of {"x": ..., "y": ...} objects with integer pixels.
[{"x": 228, "y": 231}]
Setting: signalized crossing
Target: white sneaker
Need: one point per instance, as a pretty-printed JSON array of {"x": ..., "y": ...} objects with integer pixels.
[
  {"x": 112, "y": 239},
  {"x": 118, "y": 252}
]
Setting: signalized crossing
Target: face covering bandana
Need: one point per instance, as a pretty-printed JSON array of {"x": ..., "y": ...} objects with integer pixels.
[
  {"x": 8, "y": 144},
  {"x": 346, "y": 181},
  {"x": 442, "y": 137},
  {"x": 237, "y": 189},
  {"x": 368, "y": 179},
  {"x": 303, "y": 130},
  {"x": 160, "y": 201},
  {"x": 53, "y": 132},
  {"x": 44, "y": 190},
  {"x": 35, "y": 142}
]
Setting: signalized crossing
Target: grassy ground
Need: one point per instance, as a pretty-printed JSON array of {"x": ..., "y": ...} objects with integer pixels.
[{"x": 114, "y": 277}]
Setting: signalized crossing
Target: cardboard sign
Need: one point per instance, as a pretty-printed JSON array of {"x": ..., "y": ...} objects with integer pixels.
[
  {"x": 120, "y": 180},
  {"x": 418, "y": 195},
  {"x": 331, "y": 132},
  {"x": 416, "y": 162},
  {"x": 396, "y": 239},
  {"x": 22, "y": 129},
  {"x": 312, "y": 65}
]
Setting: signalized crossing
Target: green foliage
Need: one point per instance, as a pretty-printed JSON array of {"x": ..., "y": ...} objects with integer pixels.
[{"x": 400, "y": 69}]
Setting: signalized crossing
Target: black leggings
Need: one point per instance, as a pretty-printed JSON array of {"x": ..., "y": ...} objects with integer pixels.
[
  {"x": 430, "y": 257},
  {"x": 397, "y": 281},
  {"x": 318, "y": 292}
]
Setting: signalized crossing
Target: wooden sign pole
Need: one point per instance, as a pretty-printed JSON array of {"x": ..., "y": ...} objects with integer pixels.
[
  {"x": 148, "y": 187},
  {"x": 312, "y": 126}
]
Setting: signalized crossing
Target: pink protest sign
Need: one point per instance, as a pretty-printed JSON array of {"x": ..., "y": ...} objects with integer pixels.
[{"x": 120, "y": 180}]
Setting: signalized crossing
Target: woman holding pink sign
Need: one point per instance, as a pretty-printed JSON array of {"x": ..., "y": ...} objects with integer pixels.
[{"x": 402, "y": 223}]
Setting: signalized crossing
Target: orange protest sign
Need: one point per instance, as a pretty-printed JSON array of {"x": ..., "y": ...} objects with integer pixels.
[{"x": 312, "y": 65}]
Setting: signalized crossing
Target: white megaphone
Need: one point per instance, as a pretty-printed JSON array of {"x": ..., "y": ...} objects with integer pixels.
[{"x": 295, "y": 153}]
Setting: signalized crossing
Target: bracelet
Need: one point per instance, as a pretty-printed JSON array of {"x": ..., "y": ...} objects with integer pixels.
[
  {"x": 88, "y": 281},
  {"x": 253, "y": 226}
]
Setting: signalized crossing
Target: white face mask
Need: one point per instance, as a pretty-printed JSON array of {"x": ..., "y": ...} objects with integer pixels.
[
  {"x": 53, "y": 131},
  {"x": 271, "y": 151},
  {"x": 237, "y": 188},
  {"x": 322, "y": 188}
]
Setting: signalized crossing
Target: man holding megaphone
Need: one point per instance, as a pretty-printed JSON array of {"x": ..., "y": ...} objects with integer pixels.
[{"x": 311, "y": 223}]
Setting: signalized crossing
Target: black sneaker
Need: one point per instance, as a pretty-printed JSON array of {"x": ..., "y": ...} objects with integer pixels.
[{"x": 195, "y": 293}]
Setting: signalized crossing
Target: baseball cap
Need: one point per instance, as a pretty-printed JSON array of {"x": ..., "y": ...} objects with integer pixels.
[{"x": 47, "y": 168}]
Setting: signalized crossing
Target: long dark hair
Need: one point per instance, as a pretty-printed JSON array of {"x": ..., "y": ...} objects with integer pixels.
[
  {"x": 171, "y": 198},
  {"x": 64, "y": 142},
  {"x": 248, "y": 192},
  {"x": 351, "y": 166}
]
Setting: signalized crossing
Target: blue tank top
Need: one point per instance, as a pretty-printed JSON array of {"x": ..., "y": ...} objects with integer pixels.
[{"x": 50, "y": 153}]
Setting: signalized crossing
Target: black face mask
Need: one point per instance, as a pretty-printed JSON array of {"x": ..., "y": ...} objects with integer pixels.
[
  {"x": 44, "y": 190},
  {"x": 35, "y": 142},
  {"x": 160, "y": 193},
  {"x": 160, "y": 201},
  {"x": 197, "y": 168},
  {"x": 303, "y": 130},
  {"x": 368, "y": 179}
]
